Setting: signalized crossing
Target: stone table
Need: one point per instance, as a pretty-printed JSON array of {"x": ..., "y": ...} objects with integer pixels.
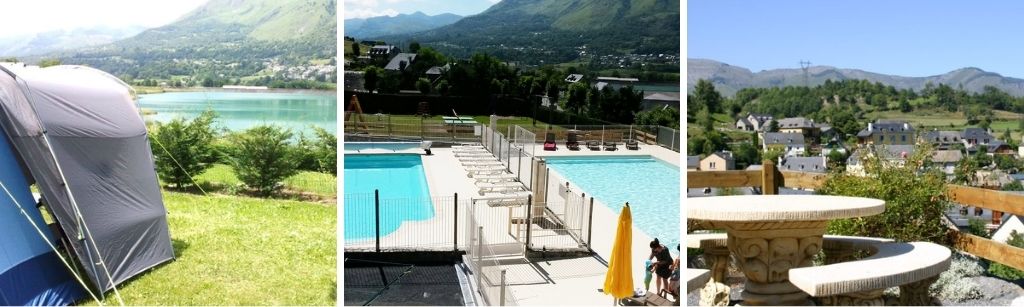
[{"x": 770, "y": 234}]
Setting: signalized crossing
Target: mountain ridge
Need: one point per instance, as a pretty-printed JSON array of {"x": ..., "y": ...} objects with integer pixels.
[
  {"x": 225, "y": 40},
  {"x": 557, "y": 31},
  {"x": 729, "y": 78},
  {"x": 395, "y": 25}
]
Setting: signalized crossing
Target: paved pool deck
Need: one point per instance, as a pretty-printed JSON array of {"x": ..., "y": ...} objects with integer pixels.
[{"x": 573, "y": 281}]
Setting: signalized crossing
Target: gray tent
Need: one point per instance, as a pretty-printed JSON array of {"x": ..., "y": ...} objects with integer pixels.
[{"x": 80, "y": 138}]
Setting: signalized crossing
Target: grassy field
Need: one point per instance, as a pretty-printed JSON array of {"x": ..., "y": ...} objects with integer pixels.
[
  {"x": 944, "y": 120},
  {"x": 220, "y": 177},
  {"x": 241, "y": 251}
]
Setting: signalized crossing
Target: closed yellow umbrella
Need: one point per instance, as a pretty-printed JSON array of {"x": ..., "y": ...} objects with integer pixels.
[{"x": 619, "y": 280}]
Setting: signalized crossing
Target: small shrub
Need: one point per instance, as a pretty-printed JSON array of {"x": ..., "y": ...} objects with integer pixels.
[
  {"x": 977, "y": 227},
  {"x": 954, "y": 284},
  {"x": 183, "y": 148},
  {"x": 915, "y": 199},
  {"x": 262, "y": 158},
  {"x": 320, "y": 153}
]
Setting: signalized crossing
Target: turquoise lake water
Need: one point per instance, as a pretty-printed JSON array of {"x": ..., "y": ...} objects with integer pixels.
[
  {"x": 651, "y": 187},
  {"x": 403, "y": 192},
  {"x": 239, "y": 111}
]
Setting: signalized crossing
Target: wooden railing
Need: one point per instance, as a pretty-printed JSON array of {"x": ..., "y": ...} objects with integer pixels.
[{"x": 770, "y": 179}]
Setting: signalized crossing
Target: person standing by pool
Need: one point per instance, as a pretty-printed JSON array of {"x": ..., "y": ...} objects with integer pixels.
[{"x": 663, "y": 265}]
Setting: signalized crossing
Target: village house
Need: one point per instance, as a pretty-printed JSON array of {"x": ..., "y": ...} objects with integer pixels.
[
  {"x": 805, "y": 164},
  {"x": 997, "y": 147},
  {"x": 718, "y": 161},
  {"x": 810, "y": 130},
  {"x": 1010, "y": 224},
  {"x": 692, "y": 163},
  {"x": 660, "y": 100},
  {"x": 790, "y": 144},
  {"x": 435, "y": 72},
  {"x": 401, "y": 61},
  {"x": 887, "y": 133},
  {"x": 946, "y": 160},
  {"x": 754, "y": 122},
  {"x": 614, "y": 82},
  {"x": 383, "y": 52},
  {"x": 890, "y": 155},
  {"x": 942, "y": 139}
]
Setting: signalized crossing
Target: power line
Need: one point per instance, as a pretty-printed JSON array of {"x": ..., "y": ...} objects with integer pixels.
[{"x": 805, "y": 65}]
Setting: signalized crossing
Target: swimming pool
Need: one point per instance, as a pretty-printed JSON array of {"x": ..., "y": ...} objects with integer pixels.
[
  {"x": 651, "y": 187},
  {"x": 403, "y": 193},
  {"x": 388, "y": 146}
]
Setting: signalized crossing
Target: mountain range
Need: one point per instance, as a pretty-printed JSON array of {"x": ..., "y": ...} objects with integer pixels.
[
  {"x": 59, "y": 40},
  {"x": 556, "y": 31},
  {"x": 728, "y": 78},
  {"x": 400, "y": 24},
  {"x": 222, "y": 39}
]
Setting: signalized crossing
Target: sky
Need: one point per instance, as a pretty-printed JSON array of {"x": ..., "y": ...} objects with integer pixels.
[
  {"x": 913, "y": 38},
  {"x": 35, "y": 16},
  {"x": 373, "y": 8}
]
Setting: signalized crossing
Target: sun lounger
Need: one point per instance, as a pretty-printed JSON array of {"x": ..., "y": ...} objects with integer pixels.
[
  {"x": 482, "y": 163},
  {"x": 507, "y": 199},
  {"x": 572, "y": 142},
  {"x": 477, "y": 159},
  {"x": 495, "y": 178},
  {"x": 473, "y": 154},
  {"x": 500, "y": 186},
  {"x": 485, "y": 170},
  {"x": 549, "y": 141},
  {"x": 632, "y": 144},
  {"x": 501, "y": 189},
  {"x": 593, "y": 145},
  {"x": 610, "y": 146}
]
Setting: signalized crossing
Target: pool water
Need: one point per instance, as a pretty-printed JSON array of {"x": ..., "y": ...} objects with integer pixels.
[
  {"x": 651, "y": 187},
  {"x": 392, "y": 146},
  {"x": 403, "y": 193}
]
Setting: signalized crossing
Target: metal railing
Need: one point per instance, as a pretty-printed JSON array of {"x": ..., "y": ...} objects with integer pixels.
[
  {"x": 485, "y": 261},
  {"x": 567, "y": 218},
  {"x": 516, "y": 156},
  {"x": 375, "y": 222}
]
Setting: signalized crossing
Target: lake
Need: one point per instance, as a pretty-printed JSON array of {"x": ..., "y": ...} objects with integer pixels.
[{"x": 239, "y": 111}]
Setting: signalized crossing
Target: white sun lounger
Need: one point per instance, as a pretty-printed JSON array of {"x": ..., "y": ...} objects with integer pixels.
[
  {"x": 485, "y": 172},
  {"x": 473, "y": 164},
  {"x": 477, "y": 154},
  {"x": 513, "y": 199},
  {"x": 477, "y": 158},
  {"x": 469, "y": 149},
  {"x": 495, "y": 178},
  {"x": 499, "y": 185},
  {"x": 501, "y": 189}
]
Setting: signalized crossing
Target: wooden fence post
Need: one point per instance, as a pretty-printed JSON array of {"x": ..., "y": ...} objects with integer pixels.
[{"x": 769, "y": 178}]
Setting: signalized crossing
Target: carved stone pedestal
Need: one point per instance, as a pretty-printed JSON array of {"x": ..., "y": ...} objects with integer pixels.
[
  {"x": 716, "y": 292},
  {"x": 916, "y": 293},
  {"x": 766, "y": 251}
]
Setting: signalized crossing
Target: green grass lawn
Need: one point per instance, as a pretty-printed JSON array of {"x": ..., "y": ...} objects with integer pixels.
[
  {"x": 221, "y": 177},
  {"x": 944, "y": 120},
  {"x": 242, "y": 251}
]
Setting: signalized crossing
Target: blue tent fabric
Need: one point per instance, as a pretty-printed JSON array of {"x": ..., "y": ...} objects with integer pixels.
[{"x": 30, "y": 271}]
